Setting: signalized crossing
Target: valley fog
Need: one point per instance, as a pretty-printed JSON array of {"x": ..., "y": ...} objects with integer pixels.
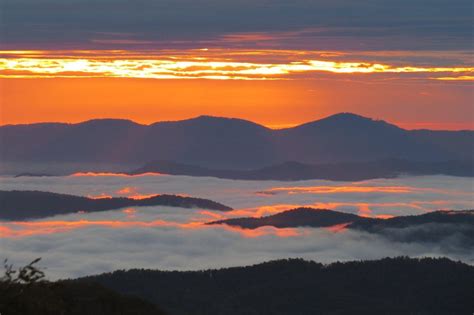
[{"x": 176, "y": 238}]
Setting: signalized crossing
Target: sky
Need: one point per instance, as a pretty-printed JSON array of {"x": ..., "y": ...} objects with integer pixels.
[{"x": 278, "y": 63}]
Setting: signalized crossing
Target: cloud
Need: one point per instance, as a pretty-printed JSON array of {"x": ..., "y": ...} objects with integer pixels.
[
  {"x": 201, "y": 65},
  {"x": 416, "y": 194},
  {"x": 96, "y": 249},
  {"x": 416, "y": 24},
  {"x": 174, "y": 238}
]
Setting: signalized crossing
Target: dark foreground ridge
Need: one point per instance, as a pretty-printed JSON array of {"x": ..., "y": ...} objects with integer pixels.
[
  {"x": 20, "y": 205},
  {"x": 454, "y": 227},
  {"x": 69, "y": 298},
  {"x": 387, "y": 286},
  {"x": 387, "y": 168}
]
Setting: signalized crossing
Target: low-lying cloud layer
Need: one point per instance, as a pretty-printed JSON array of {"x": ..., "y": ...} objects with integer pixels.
[
  {"x": 399, "y": 196},
  {"x": 96, "y": 249},
  {"x": 174, "y": 238}
]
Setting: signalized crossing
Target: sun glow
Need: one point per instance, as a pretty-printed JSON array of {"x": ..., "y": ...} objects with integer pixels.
[{"x": 200, "y": 64}]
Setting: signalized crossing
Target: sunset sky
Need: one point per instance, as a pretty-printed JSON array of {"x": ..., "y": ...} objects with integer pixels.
[{"x": 278, "y": 63}]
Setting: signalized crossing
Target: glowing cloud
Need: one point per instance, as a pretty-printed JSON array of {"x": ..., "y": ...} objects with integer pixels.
[
  {"x": 200, "y": 64},
  {"x": 338, "y": 228},
  {"x": 354, "y": 189},
  {"x": 31, "y": 228}
]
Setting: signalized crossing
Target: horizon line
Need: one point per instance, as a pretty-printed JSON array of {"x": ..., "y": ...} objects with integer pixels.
[{"x": 283, "y": 126}]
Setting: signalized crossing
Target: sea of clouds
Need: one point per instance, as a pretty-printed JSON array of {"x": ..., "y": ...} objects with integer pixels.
[{"x": 175, "y": 238}]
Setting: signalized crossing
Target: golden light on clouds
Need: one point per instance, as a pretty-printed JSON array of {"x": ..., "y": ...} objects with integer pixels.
[
  {"x": 460, "y": 78},
  {"x": 19, "y": 229},
  {"x": 276, "y": 88},
  {"x": 200, "y": 64}
]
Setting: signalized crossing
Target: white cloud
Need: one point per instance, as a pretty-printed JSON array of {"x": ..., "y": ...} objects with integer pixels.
[{"x": 167, "y": 240}]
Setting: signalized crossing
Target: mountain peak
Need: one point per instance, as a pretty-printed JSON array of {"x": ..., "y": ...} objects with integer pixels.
[
  {"x": 348, "y": 115},
  {"x": 213, "y": 118},
  {"x": 224, "y": 121},
  {"x": 345, "y": 119},
  {"x": 108, "y": 122},
  {"x": 219, "y": 118}
]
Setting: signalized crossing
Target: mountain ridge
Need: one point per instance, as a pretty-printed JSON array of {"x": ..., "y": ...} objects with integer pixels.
[
  {"x": 315, "y": 217},
  {"x": 293, "y": 170},
  {"x": 451, "y": 228},
  {"x": 337, "y": 116},
  {"x": 228, "y": 143},
  {"x": 296, "y": 286},
  {"x": 25, "y": 204}
]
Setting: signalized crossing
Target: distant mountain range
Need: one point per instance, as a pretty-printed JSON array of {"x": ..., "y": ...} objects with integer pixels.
[
  {"x": 344, "y": 171},
  {"x": 223, "y": 143},
  {"x": 21, "y": 205},
  {"x": 434, "y": 227}
]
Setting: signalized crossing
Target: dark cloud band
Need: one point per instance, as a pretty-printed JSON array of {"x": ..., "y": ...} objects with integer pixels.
[{"x": 340, "y": 24}]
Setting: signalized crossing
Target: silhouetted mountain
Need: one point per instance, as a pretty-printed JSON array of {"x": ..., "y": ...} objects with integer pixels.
[
  {"x": 223, "y": 143},
  {"x": 299, "y": 217},
  {"x": 443, "y": 216},
  {"x": 386, "y": 286},
  {"x": 448, "y": 141},
  {"x": 71, "y": 298},
  {"x": 456, "y": 227},
  {"x": 33, "y": 175},
  {"x": 20, "y": 205},
  {"x": 336, "y": 171},
  {"x": 453, "y": 229},
  {"x": 348, "y": 137},
  {"x": 311, "y": 217}
]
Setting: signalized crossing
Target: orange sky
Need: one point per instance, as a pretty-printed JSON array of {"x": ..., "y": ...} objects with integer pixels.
[
  {"x": 273, "y": 103},
  {"x": 278, "y": 63},
  {"x": 277, "y": 88}
]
